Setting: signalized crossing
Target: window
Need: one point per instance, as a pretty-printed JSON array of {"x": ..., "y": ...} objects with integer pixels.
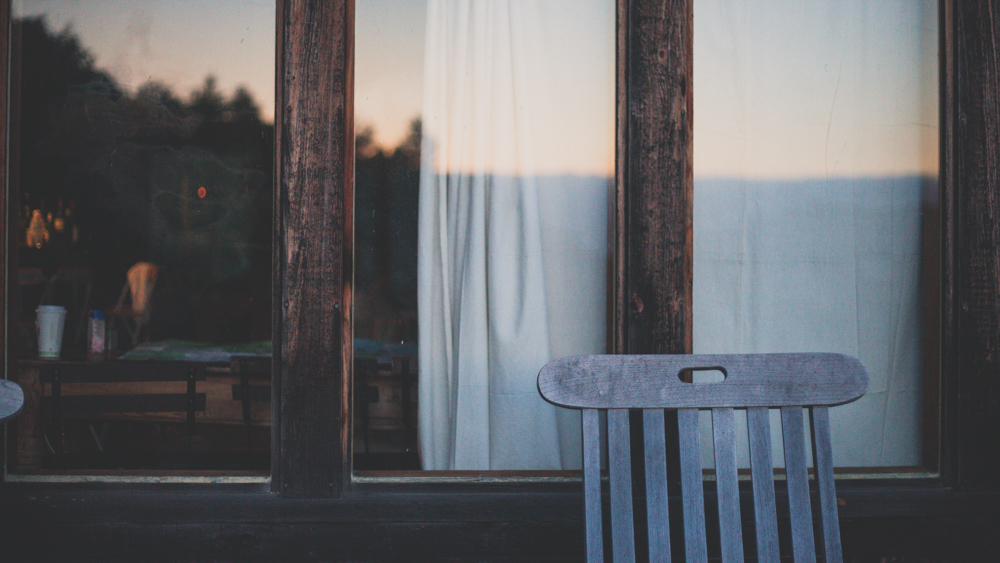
[
  {"x": 816, "y": 202},
  {"x": 821, "y": 141},
  {"x": 483, "y": 174},
  {"x": 140, "y": 202},
  {"x": 523, "y": 521}
]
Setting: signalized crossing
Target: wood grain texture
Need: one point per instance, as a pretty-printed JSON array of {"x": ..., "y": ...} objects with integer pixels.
[
  {"x": 654, "y": 178},
  {"x": 972, "y": 168},
  {"x": 762, "y": 474},
  {"x": 657, "y": 505},
  {"x": 727, "y": 485},
  {"x": 692, "y": 493},
  {"x": 752, "y": 380},
  {"x": 799, "y": 505},
  {"x": 314, "y": 177},
  {"x": 592, "y": 486},
  {"x": 823, "y": 464},
  {"x": 620, "y": 478}
]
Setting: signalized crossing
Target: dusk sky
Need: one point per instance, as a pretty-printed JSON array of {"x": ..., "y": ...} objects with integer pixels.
[
  {"x": 782, "y": 89},
  {"x": 177, "y": 42}
]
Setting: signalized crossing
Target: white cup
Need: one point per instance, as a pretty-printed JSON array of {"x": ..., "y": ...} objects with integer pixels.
[{"x": 51, "y": 319}]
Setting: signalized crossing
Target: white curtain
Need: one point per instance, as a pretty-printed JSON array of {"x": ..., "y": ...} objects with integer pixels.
[
  {"x": 507, "y": 256},
  {"x": 815, "y": 189}
]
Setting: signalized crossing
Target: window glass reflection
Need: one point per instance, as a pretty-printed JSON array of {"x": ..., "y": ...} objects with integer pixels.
[{"x": 140, "y": 197}]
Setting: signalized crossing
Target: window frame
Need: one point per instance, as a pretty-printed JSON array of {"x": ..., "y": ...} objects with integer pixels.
[{"x": 318, "y": 508}]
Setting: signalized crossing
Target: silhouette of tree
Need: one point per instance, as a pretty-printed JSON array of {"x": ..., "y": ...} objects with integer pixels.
[
  {"x": 158, "y": 93},
  {"x": 207, "y": 101},
  {"x": 125, "y": 159},
  {"x": 387, "y": 189}
]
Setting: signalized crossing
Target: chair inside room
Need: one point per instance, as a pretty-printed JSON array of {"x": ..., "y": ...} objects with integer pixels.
[
  {"x": 792, "y": 383},
  {"x": 119, "y": 388}
]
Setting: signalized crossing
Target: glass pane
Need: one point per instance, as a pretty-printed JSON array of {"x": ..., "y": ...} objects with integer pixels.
[
  {"x": 485, "y": 150},
  {"x": 140, "y": 234},
  {"x": 816, "y": 207}
]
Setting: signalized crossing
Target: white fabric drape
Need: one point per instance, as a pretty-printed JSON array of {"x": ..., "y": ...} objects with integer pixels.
[
  {"x": 815, "y": 163},
  {"x": 497, "y": 276}
]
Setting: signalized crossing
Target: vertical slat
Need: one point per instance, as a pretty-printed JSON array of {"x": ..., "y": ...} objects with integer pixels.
[
  {"x": 762, "y": 472},
  {"x": 657, "y": 505},
  {"x": 823, "y": 458},
  {"x": 727, "y": 485},
  {"x": 693, "y": 497},
  {"x": 620, "y": 466},
  {"x": 592, "y": 485},
  {"x": 803, "y": 542}
]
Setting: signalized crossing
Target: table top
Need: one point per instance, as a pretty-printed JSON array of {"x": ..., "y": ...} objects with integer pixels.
[{"x": 11, "y": 400}]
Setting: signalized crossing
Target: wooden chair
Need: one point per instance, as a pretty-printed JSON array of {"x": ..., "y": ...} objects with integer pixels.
[
  {"x": 145, "y": 375},
  {"x": 755, "y": 382}
]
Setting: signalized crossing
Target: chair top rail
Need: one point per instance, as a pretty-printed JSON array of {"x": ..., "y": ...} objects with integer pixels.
[{"x": 654, "y": 381}]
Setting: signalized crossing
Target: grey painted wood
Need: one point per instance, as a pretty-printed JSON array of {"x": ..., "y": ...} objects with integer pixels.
[
  {"x": 823, "y": 461},
  {"x": 755, "y": 382},
  {"x": 11, "y": 400},
  {"x": 620, "y": 469},
  {"x": 799, "y": 506},
  {"x": 657, "y": 507},
  {"x": 752, "y": 380},
  {"x": 727, "y": 485},
  {"x": 762, "y": 474},
  {"x": 692, "y": 495},
  {"x": 592, "y": 485}
]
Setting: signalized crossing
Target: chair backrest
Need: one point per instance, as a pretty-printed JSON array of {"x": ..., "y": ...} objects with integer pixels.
[{"x": 755, "y": 382}]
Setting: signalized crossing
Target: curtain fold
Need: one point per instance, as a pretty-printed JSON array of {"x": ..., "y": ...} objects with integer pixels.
[{"x": 483, "y": 304}]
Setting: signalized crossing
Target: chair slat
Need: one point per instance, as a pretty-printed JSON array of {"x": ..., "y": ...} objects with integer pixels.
[
  {"x": 692, "y": 495},
  {"x": 620, "y": 466},
  {"x": 803, "y": 541},
  {"x": 823, "y": 456},
  {"x": 762, "y": 473},
  {"x": 657, "y": 507},
  {"x": 592, "y": 485},
  {"x": 727, "y": 485}
]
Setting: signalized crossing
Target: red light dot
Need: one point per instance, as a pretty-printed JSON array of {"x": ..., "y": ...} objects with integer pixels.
[{"x": 202, "y": 192}]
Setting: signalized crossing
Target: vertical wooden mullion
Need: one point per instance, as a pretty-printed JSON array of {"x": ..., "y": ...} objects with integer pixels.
[
  {"x": 314, "y": 121},
  {"x": 972, "y": 296},
  {"x": 654, "y": 175}
]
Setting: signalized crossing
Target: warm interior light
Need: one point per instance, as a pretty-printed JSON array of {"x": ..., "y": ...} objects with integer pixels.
[{"x": 201, "y": 192}]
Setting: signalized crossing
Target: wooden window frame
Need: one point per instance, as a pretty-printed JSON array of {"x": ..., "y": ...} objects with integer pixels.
[{"x": 313, "y": 507}]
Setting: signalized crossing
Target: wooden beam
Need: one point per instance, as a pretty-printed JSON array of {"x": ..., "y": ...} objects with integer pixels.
[
  {"x": 652, "y": 305},
  {"x": 315, "y": 164},
  {"x": 972, "y": 163}
]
